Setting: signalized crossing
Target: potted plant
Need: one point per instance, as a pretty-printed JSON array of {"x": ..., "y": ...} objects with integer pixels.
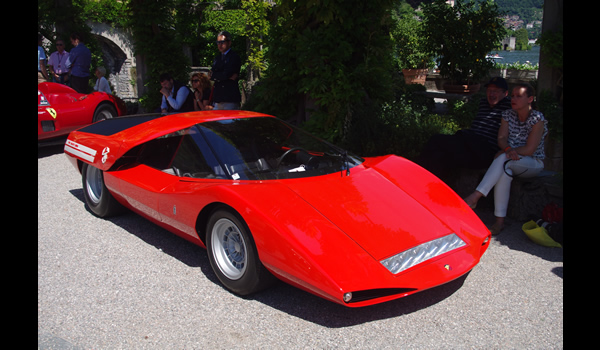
[
  {"x": 461, "y": 36},
  {"x": 410, "y": 52}
]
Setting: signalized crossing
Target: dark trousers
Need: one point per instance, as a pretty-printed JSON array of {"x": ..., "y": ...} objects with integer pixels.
[
  {"x": 80, "y": 84},
  {"x": 465, "y": 149}
]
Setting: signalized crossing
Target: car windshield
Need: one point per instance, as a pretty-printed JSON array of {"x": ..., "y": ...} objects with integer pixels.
[{"x": 263, "y": 148}]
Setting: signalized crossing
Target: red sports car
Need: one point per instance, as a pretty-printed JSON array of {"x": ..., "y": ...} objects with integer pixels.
[
  {"x": 62, "y": 109},
  {"x": 267, "y": 199}
]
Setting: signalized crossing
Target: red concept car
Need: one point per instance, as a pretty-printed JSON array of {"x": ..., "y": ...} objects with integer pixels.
[
  {"x": 62, "y": 109},
  {"x": 269, "y": 200}
]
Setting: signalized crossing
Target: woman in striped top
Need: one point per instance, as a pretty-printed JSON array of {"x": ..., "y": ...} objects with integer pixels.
[{"x": 521, "y": 140}]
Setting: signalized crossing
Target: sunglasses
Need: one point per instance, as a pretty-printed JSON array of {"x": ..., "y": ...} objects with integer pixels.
[
  {"x": 221, "y": 42},
  {"x": 195, "y": 81}
]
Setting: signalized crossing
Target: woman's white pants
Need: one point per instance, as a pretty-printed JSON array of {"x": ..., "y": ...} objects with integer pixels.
[{"x": 497, "y": 178}]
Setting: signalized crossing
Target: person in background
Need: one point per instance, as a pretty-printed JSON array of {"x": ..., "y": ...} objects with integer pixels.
[
  {"x": 101, "y": 83},
  {"x": 202, "y": 89},
  {"x": 42, "y": 73},
  {"x": 176, "y": 96},
  {"x": 225, "y": 73},
  {"x": 79, "y": 61},
  {"x": 57, "y": 64},
  {"x": 472, "y": 148},
  {"x": 521, "y": 140}
]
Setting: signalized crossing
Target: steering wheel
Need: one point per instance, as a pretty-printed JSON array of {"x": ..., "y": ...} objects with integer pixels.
[{"x": 288, "y": 152}]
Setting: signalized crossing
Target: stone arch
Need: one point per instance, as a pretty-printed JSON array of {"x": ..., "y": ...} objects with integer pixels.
[{"x": 119, "y": 60}]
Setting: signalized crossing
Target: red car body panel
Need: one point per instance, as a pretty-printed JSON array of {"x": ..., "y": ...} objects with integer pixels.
[
  {"x": 324, "y": 234},
  {"x": 66, "y": 109}
]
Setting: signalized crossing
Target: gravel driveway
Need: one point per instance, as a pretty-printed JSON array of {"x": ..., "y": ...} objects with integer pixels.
[{"x": 125, "y": 283}]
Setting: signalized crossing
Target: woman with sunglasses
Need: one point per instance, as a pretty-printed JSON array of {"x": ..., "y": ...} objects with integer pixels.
[{"x": 202, "y": 89}]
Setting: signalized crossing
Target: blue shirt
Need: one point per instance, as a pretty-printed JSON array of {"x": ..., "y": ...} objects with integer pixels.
[
  {"x": 79, "y": 61},
  {"x": 41, "y": 56}
]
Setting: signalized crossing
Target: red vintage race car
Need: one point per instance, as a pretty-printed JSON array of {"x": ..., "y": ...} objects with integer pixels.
[
  {"x": 267, "y": 199},
  {"x": 62, "y": 109}
]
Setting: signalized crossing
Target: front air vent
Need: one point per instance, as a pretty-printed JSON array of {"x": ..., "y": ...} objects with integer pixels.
[
  {"x": 47, "y": 125},
  {"x": 377, "y": 293}
]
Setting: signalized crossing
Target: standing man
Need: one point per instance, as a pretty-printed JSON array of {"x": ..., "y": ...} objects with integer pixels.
[
  {"x": 225, "y": 73},
  {"x": 79, "y": 61},
  {"x": 57, "y": 64}
]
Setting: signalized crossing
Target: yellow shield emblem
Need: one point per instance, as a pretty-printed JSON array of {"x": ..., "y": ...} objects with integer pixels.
[{"x": 52, "y": 112}]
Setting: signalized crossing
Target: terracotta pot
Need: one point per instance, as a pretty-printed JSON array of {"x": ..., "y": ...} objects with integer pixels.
[
  {"x": 461, "y": 89},
  {"x": 415, "y": 76}
]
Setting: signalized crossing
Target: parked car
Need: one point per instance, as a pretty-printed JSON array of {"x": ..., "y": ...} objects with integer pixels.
[
  {"x": 269, "y": 200},
  {"x": 62, "y": 109}
]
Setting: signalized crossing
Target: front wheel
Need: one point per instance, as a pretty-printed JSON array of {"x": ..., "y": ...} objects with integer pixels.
[
  {"x": 233, "y": 255},
  {"x": 97, "y": 196}
]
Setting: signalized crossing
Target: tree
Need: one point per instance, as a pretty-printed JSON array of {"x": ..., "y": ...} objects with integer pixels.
[
  {"x": 522, "y": 39},
  {"x": 326, "y": 59},
  {"x": 154, "y": 25},
  {"x": 462, "y": 35},
  {"x": 58, "y": 19}
]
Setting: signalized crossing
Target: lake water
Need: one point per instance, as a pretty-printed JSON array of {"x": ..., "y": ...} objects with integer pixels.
[{"x": 533, "y": 56}]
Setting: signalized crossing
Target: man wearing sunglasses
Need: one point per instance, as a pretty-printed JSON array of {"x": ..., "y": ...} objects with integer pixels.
[
  {"x": 57, "y": 64},
  {"x": 225, "y": 73}
]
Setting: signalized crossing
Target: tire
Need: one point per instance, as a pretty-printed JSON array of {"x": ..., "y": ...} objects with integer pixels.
[
  {"x": 104, "y": 111},
  {"x": 97, "y": 197},
  {"x": 233, "y": 255}
]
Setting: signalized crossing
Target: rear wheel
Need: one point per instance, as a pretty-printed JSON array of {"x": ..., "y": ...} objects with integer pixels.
[
  {"x": 233, "y": 255},
  {"x": 97, "y": 196},
  {"x": 104, "y": 111}
]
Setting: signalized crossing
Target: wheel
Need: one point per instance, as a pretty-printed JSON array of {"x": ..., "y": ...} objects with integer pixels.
[
  {"x": 97, "y": 196},
  {"x": 104, "y": 111},
  {"x": 233, "y": 255}
]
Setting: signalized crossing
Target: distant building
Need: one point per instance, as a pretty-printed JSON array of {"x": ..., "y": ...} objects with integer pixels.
[{"x": 509, "y": 43}]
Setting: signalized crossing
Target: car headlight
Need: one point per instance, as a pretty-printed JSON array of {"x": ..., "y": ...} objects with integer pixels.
[{"x": 422, "y": 252}]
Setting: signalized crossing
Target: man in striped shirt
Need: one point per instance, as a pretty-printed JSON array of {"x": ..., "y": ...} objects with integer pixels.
[{"x": 472, "y": 148}]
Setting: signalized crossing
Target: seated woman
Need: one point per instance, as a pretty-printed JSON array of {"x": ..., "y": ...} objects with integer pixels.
[
  {"x": 101, "y": 83},
  {"x": 202, "y": 89},
  {"x": 521, "y": 137}
]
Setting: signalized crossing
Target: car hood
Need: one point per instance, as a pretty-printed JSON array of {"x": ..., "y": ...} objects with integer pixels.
[{"x": 377, "y": 214}]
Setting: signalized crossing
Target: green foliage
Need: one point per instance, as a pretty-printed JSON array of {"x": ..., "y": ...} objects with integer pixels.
[
  {"x": 522, "y": 39},
  {"x": 551, "y": 44},
  {"x": 462, "y": 36},
  {"x": 154, "y": 26},
  {"x": 553, "y": 112},
  {"x": 59, "y": 22},
  {"x": 461, "y": 112},
  {"x": 401, "y": 126},
  {"x": 257, "y": 29},
  {"x": 410, "y": 50},
  {"x": 517, "y": 65},
  {"x": 334, "y": 54},
  {"x": 105, "y": 11}
]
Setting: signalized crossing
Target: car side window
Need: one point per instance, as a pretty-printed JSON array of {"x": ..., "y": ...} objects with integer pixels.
[
  {"x": 190, "y": 161},
  {"x": 158, "y": 153},
  {"x": 177, "y": 154}
]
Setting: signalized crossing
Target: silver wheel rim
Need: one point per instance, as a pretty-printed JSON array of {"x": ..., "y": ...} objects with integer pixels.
[
  {"x": 104, "y": 114},
  {"x": 229, "y": 249},
  {"x": 93, "y": 181}
]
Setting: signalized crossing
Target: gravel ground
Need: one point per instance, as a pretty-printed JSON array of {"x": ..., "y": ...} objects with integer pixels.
[{"x": 125, "y": 283}]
